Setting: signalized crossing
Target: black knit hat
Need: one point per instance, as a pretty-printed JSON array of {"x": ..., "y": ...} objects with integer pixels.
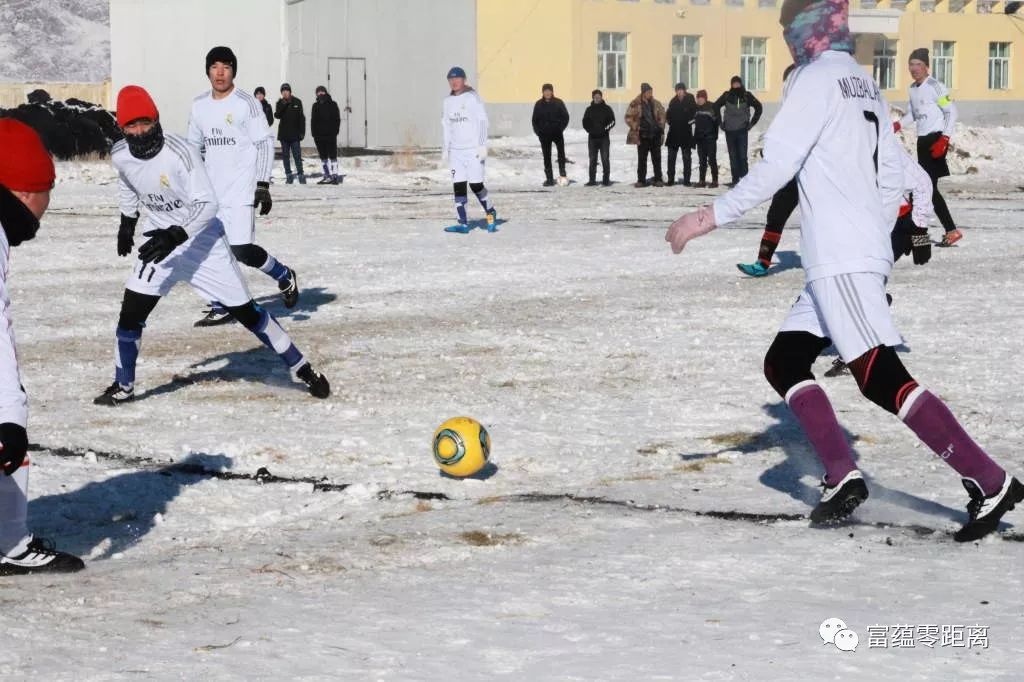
[
  {"x": 224, "y": 55},
  {"x": 285, "y": 86},
  {"x": 547, "y": 86},
  {"x": 597, "y": 92},
  {"x": 260, "y": 90},
  {"x": 920, "y": 53},
  {"x": 644, "y": 87},
  {"x": 320, "y": 89},
  {"x": 680, "y": 86}
]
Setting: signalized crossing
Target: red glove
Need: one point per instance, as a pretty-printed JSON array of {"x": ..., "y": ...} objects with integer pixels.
[
  {"x": 896, "y": 127},
  {"x": 940, "y": 147}
]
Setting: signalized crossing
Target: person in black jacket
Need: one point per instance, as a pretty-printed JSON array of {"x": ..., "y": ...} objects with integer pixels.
[
  {"x": 705, "y": 136},
  {"x": 261, "y": 94},
  {"x": 598, "y": 120},
  {"x": 290, "y": 132},
  {"x": 325, "y": 123},
  {"x": 550, "y": 119},
  {"x": 680, "y": 132},
  {"x": 737, "y": 122}
]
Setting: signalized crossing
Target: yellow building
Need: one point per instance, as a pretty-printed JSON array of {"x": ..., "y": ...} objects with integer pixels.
[{"x": 615, "y": 45}]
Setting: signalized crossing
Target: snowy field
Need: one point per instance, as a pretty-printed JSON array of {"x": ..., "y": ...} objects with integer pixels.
[{"x": 644, "y": 520}]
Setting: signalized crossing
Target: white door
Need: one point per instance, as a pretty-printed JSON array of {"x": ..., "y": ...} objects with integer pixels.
[{"x": 346, "y": 81}]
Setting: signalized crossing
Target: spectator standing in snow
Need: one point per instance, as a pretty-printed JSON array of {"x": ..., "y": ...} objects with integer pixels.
[
  {"x": 261, "y": 94},
  {"x": 550, "y": 119},
  {"x": 646, "y": 120},
  {"x": 325, "y": 123},
  {"x": 290, "y": 132},
  {"x": 680, "y": 132},
  {"x": 598, "y": 121},
  {"x": 741, "y": 113},
  {"x": 705, "y": 136}
]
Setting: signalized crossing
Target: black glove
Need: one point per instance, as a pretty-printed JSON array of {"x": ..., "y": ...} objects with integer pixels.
[
  {"x": 15, "y": 446},
  {"x": 126, "y": 234},
  {"x": 263, "y": 200},
  {"x": 921, "y": 245},
  {"x": 161, "y": 243}
]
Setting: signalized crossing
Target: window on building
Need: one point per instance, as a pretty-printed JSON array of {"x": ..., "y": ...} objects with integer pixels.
[
  {"x": 753, "y": 53},
  {"x": 942, "y": 62},
  {"x": 665, "y": 2},
  {"x": 686, "y": 60},
  {"x": 734, "y": 3},
  {"x": 999, "y": 66},
  {"x": 611, "y": 60},
  {"x": 767, "y": 4},
  {"x": 884, "y": 63},
  {"x": 957, "y": 6},
  {"x": 985, "y": 6},
  {"x": 700, "y": 2}
]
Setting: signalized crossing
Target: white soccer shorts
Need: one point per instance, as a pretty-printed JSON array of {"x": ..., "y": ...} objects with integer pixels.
[
  {"x": 203, "y": 261},
  {"x": 850, "y": 309},
  {"x": 466, "y": 167},
  {"x": 239, "y": 223}
]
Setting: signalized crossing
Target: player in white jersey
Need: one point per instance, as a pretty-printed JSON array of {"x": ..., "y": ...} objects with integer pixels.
[
  {"x": 932, "y": 111},
  {"x": 186, "y": 243},
  {"x": 228, "y": 126},
  {"x": 464, "y": 146},
  {"x": 26, "y": 178},
  {"x": 832, "y": 131}
]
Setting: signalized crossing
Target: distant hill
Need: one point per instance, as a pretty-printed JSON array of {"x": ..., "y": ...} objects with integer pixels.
[{"x": 55, "y": 40}]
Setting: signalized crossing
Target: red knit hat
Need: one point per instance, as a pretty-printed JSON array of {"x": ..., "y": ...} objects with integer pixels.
[
  {"x": 134, "y": 103},
  {"x": 25, "y": 165}
]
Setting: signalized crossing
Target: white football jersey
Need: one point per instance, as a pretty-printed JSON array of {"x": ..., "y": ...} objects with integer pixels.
[
  {"x": 234, "y": 138},
  {"x": 172, "y": 186},
  {"x": 464, "y": 121},
  {"x": 13, "y": 401},
  {"x": 931, "y": 108},
  {"x": 834, "y": 134}
]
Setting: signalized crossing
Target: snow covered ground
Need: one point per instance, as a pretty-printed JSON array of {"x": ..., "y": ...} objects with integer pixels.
[{"x": 623, "y": 392}]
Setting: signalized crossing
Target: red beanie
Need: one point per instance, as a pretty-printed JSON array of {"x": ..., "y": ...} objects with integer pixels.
[
  {"x": 25, "y": 165},
  {"x": 133, "y": 103}
]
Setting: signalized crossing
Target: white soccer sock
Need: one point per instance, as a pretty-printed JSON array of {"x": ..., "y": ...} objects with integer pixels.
[
  {"x": 14, "y": 510},
  {"x": 333, "y": 163}
]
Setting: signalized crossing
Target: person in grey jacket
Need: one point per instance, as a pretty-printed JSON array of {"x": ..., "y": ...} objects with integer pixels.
[{"x": 739, "y": 111}]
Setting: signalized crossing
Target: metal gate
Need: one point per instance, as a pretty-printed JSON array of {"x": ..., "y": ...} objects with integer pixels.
[{"x": 346, "y": 81}]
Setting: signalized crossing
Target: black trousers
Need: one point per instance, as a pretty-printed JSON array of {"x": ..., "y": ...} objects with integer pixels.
[
  {"x": 936, "y": 168},
  {"x": 707, "y": 155},
  {"x": 545, "y": 147},
  {"x": 645, "y": 147},
  {"x": 326, "y": 147},
  {"x": 736, "y": 142},
  {"x": 784, "y": 202},
  {"x": 687, "y": 150},
  {"x": 599, "y": 145}
]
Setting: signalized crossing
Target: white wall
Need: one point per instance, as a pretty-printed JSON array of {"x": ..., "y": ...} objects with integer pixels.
[
  {"x": 162, "y": 45},
  {"x": 409, "y": 45}
]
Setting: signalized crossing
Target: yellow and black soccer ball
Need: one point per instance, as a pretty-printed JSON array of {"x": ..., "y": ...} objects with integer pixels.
[{"x": 461, "y": 446}]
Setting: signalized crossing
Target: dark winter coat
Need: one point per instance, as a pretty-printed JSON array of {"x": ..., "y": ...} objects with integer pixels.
[
  {"x": 680, "y": 119},
  {"x": 293, "y": 120},
  {"x": 635, "y": 120},
  {"x": 325, "y": 119},
  {"x": 705, "y": 122},
  {"x": 268, "y": 112},
  {"x": 738, "y": 103},
  {"x": 598, "y": 120},
  {"x": 550, "y": 118}
]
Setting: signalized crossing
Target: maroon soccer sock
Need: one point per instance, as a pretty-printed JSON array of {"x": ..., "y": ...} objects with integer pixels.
[
  {"x": 935, "y": 425},
  {"x": 815, "y": 414},
  {"x": 769, "y": 242}
]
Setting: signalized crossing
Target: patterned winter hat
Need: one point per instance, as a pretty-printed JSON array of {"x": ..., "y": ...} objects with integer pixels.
[{"x": 812, "y": 27}]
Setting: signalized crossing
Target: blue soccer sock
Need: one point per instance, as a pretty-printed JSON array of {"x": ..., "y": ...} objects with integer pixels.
[
  {"x": 484, "y": 199},
  {"x": 460, "y": 209},
  {"x": 274, "y": 337},
  {"x": 126, "y": 354},
  {"x": 275, "y": 268}
]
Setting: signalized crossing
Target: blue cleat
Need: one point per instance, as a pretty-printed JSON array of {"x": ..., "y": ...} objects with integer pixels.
[
  {"x": 461, "y": 228},
  {"x": 753, "y": 269}
]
